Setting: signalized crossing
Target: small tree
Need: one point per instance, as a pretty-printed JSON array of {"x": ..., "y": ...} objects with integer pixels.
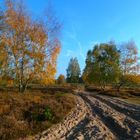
[
  {"x": 129, "y": 64},
  {"x": 73, "y": 71},
  {"x": 129, "y": 58},
  {"x": 61, "y": 79}
]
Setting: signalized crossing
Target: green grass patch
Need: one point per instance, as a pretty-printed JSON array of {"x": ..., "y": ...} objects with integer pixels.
[{"x": 60, "y": 94}]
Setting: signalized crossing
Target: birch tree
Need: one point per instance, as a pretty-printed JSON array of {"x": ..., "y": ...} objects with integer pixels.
[{"x": 25, "y": 44}]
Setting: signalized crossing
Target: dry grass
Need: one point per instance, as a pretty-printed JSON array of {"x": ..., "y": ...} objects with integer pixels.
[
  {"x": 124, "y": 92},
  {"x": 22, "y": 115},
  {"x": 127, "y": 94},
  {"x": 133, "y": 100}
]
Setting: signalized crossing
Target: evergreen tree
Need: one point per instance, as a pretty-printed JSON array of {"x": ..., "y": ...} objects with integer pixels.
[{"x": 73, "y": 71}]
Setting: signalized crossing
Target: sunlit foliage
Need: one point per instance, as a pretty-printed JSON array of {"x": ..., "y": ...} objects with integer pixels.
[
  {"x": 108, "y": 65},
  {"x": 102, "y": 64},
  {"x": 26, "y": 50}
]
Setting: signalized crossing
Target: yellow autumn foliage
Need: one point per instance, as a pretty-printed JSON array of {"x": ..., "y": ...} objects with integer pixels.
[{"x": 25, "y": 49}]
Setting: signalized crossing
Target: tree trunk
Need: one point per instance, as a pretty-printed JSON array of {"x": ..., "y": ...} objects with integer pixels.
[
  {"x": 22, "y": 88},
  {"x": 118, "y": 88},
  {"x": 21, "y": 85}
]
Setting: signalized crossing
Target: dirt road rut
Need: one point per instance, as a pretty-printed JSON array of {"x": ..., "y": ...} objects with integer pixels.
[{"x": 97, "y": 118}]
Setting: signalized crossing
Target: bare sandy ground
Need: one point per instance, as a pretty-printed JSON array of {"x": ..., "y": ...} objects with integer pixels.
[{"x": 97, "y": 118}]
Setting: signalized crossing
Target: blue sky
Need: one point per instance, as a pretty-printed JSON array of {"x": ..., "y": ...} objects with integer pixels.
[{"x": 86, "y": 22}]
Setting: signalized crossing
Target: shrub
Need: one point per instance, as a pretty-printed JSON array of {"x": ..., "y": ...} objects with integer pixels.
[{"x": 48, "y": 113}]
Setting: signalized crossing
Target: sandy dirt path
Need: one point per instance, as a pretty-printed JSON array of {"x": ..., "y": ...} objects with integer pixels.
[{"x": 97, "y": 118}]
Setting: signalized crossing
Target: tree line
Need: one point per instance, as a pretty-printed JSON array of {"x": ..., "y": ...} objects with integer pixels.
[
  {"x": 107, "y": 64},
  {"x": 29, "y": 50}
]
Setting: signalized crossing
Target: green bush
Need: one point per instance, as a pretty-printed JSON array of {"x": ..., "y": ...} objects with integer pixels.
[{"x": 49, "y": 114}]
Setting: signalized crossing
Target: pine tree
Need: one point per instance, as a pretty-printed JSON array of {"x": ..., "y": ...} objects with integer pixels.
[{"x": 73, "y": 71}]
